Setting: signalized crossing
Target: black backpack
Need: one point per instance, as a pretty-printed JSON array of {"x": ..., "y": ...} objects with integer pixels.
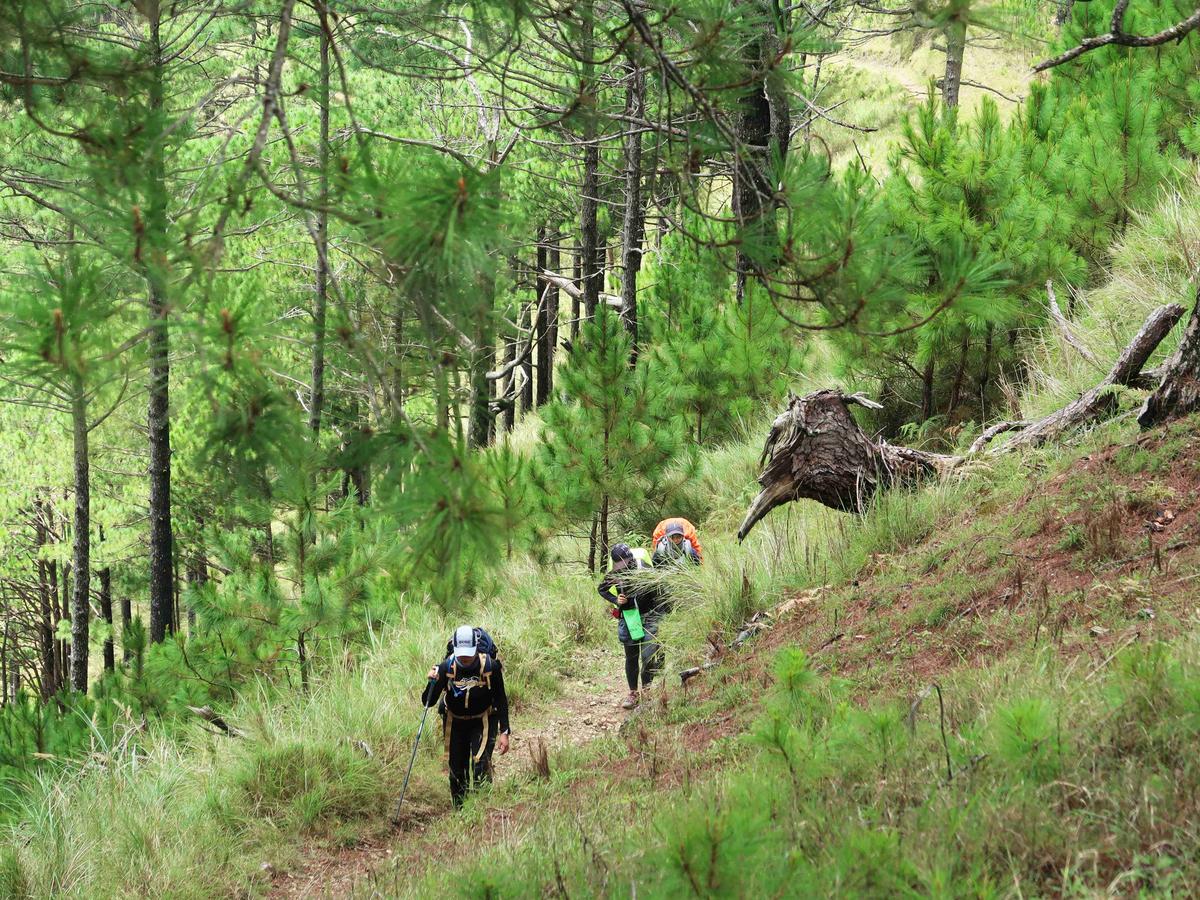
[{"x": 483, "y": 641}]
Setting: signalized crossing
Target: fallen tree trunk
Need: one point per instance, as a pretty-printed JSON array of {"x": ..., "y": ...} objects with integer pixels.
[
  {"x": 816, "y": 450},
  {"x": 1178, "y": 393},
  {"x": 1102, "y": 399}
]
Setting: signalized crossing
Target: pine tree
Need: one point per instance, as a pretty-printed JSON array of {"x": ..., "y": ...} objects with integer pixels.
[{"x": 603, "y": 451}]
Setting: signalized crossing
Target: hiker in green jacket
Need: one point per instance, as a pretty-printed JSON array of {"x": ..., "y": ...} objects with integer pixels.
[{"x": 639, "y": 606}]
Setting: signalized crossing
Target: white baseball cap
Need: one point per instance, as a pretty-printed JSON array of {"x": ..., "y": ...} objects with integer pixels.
[{"x": 464, "y": 641}]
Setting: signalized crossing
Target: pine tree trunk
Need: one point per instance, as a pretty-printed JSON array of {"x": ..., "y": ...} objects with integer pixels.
[
  {"x": 956, "y": 46},
  {"x": 106, "y": 611},
  {"x": 46, "y": 629},
  {"x": 317, "y": 397},
  {"x": 956, "y": 388},
  {"x": 1063, "y": 13},
  {"x": 176, "y": 591},
  {"x": 64, "y": 601},
  {"x": 509, "y": 394},
  {"x": 985, "y": 376},
  {"x": 577, "y": 278},
  {"x": 56, "y": 614},
  {"x": 631, "y": 226},
  {"x": 545, "y": 346},
  {"x": 602, "y": 550},
  {"x": 158, "y": 416},
  {"x": 751, "y": 189},
  {"x": 481, "y": 389},
  {"x": 593, "y": 274},
  {"x": 81, "y": 545},
  {"x": 1178, "y": 394},
  {"x": 126, "y": 621},
  {"x": 528, "y": 323},
  {"x": 592, "y": 538},
  {"x": 927, "y": 391},
  {"x": 554, "y": 260}
]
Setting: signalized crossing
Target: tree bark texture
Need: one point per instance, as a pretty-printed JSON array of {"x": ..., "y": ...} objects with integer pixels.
[
  {"x": 762, "y": 129},
  {"x": 158, "y": 415},
  {"x": 49, "y": 678},
  {"x": 554, "y": 262},
  {"x": 576, "y": 298},
  {"x": 545, "y": 345},
  {"x": 956, "y": 48},
  {"x": 529, "y": 317},
  {"x": 1179, "y": 392},
  {"x": 632, "y": 223},
  {"x": 816, "y": 451},
  {"x": 317, "y": 397},
  {"x": 106, "y": 610},
  {"x": 81, "y": 543}
]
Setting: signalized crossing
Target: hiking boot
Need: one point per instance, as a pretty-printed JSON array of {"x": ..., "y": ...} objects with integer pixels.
[{"x": 631, "y": 701}]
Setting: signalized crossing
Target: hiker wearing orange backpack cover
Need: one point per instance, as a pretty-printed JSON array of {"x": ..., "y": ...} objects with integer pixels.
[{"x": 676, "y": 540}]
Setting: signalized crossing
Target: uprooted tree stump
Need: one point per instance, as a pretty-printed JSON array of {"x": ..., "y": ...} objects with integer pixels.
[
  {"x": 816, "y": 451},
  {"x": 1178, "y": 393}
]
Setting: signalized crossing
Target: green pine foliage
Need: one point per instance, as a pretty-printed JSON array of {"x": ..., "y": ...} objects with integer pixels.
[
  {"x": 603, "y": 451},
  {"x": 722, "y": 359}
]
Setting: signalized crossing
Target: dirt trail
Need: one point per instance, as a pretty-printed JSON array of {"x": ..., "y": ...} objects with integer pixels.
[{"x": 589, "y": 708}]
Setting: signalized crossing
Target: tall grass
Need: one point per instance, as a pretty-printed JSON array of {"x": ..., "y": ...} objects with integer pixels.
[
  {"x": 1060, "y": 782},
  {"x": 1156, "y": 262}
]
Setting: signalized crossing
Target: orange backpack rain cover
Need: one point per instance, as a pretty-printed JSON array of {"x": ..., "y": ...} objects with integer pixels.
[{"x": 689, "y": 532}]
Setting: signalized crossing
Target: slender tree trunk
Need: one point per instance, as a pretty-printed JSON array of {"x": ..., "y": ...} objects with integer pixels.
[
  {"x": 577, "y": 278},
  {"x": 106, "y": 611},
  {"x": 592, "y": 539},
  {"x": 482, "y": 360},
  {"x": 176, "y": 592},
  {"x": 4, "y": 664},
  {"x": 632, "y": 225},
  {"x": 1063, "y": 13},
  {"x": 528, "y": 322},
  {"x": 593, "y": 274},
  {"x": 985, "y": 376},
  {"x": 552, "y": 307},
  {"x": 56, "y": 610},
  {"x": 603, "y": 548},
  {"x": 927, "y": 391},
  {"x": 751, "y": 187},
  {"x": 956, "y": 46},
  {"x": 545, "y": 345},
  {"x": 509, "y": 393},
  {"x": 317, "y": 397},
  {"x": 126, "y": 621},
  {"x": 65, "y": 607},
  {"x": 46, "y": 628},
  {"x": 158, "y": 416},
  {"x": 81, "y": 549},
  {"x": 956, "y": 388}
]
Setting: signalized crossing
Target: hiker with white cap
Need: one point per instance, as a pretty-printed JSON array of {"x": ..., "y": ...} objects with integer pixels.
[{"x": 472, "y": 680}]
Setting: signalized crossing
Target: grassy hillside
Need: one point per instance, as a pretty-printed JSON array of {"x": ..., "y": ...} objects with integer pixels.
[{"x": 984, "y": 687}]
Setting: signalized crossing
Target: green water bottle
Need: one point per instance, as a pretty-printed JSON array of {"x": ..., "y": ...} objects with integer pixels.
[{"x": 633, "y": 621}]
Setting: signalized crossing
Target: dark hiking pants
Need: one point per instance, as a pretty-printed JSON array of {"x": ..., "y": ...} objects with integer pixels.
[{"x": 465, "y": 772}]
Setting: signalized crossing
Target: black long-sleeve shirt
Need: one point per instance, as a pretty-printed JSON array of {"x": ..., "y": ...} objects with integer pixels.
[
  {"x": 631, "y": 582},
  {"x": 475, "y": 700}
]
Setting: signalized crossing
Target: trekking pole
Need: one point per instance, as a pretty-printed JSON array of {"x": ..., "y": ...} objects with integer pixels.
[{"x": 412, "y": 759}]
